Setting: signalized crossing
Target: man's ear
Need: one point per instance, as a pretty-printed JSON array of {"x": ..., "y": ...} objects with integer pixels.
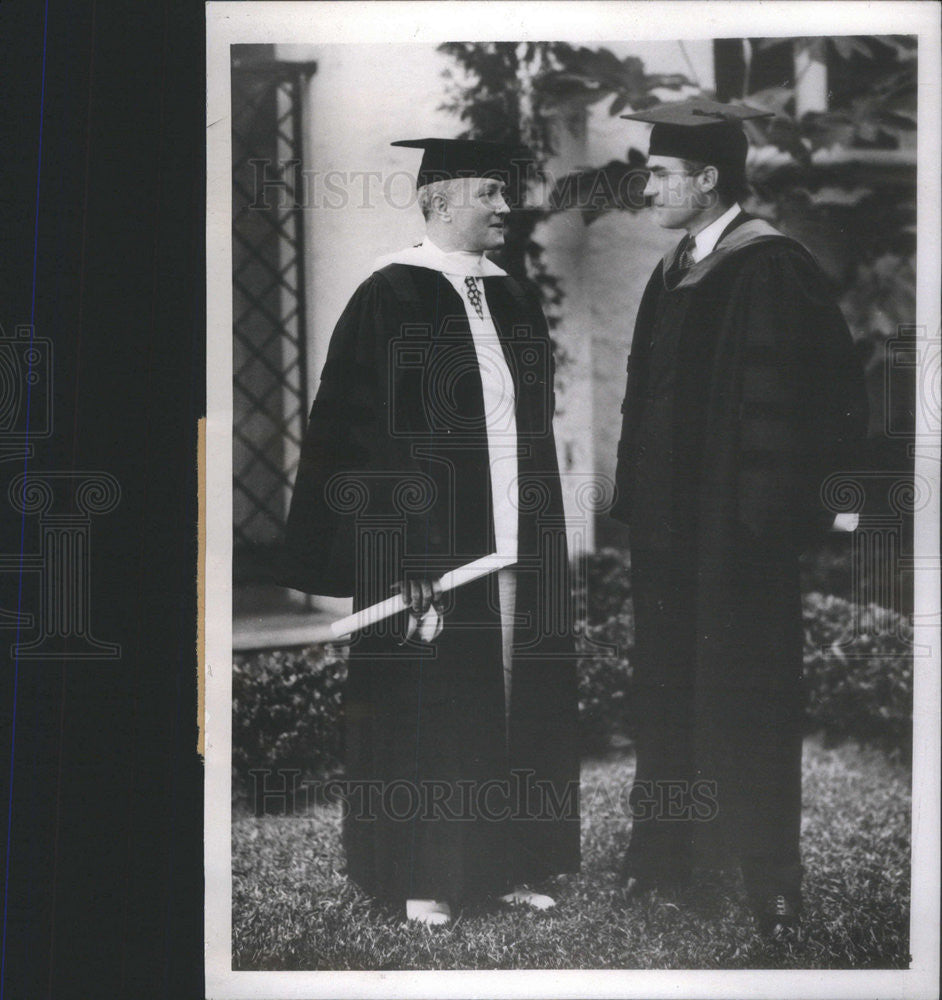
[
  {"x": 708, "y": 178},
  {"x": 440, "y": 207}
]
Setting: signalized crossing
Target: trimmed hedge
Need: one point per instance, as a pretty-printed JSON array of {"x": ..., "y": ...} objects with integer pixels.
[{"x": 858, "y": 673}]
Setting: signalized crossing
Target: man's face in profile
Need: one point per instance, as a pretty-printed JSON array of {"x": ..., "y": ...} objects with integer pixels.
[
  {"x": 478, "y": 211},
  {"x": 676, "y": 197}
]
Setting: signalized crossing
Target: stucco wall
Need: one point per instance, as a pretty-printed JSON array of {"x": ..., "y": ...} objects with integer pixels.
[{"x": 360, "y": 190}]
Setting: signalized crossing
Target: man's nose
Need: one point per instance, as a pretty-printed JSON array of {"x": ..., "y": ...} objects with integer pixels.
[
  {"x": 650, "y": 188},
  {"x": 501, "y": 208}
]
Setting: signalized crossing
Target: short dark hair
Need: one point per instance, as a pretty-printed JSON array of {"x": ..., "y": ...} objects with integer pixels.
[{"x": 731, "y": 185}]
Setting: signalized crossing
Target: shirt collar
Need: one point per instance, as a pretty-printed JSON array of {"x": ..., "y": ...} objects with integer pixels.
[
  {"x": 459, "y": 262},
  {"x": 708, "y": 238}
]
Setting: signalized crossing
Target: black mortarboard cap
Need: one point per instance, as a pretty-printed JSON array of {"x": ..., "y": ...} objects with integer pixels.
[
  {"x": 699, "y": 129},
  {"x": 444, "y": 159}
]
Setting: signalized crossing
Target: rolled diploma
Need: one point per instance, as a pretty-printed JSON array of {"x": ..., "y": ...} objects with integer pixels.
[{"x": 393, "y": 605}]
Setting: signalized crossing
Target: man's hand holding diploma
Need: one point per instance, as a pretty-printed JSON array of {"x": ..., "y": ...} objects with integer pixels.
[{"x": 421, "y": 595}]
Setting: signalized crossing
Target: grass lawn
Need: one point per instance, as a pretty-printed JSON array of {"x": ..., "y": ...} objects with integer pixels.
[{"x": 293, "y": 909}]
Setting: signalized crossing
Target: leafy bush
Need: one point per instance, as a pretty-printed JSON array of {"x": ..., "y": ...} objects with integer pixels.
[
  {"x": 604, "y": 671},
  {"x": 286, "y": 713},
  {"x": 603, "y": 585},
  {"x": 858, "y": 671}
]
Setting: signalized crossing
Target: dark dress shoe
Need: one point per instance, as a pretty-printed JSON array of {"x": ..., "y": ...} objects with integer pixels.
[{"x": 778, "y": 919}]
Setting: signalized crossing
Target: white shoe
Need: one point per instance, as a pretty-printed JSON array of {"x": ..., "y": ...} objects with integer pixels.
[
  {"x": 522, "y": 896},
  {"x": 428, "y": 911}
]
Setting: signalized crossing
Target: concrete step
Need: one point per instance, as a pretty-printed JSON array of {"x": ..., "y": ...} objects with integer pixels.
[{"x": 271, "y": 624}]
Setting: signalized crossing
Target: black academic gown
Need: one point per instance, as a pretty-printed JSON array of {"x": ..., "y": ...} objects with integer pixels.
[
  {"x": 743, "y": 394},
  {"x": 394, "y": 479}
]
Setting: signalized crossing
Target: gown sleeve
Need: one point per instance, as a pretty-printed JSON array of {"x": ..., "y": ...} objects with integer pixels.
[
  {"x": 346, "y": 447},
  {"x": 803, "y": 405}
]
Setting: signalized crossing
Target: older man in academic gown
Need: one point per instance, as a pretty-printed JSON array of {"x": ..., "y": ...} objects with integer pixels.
[
  {"x": 743, "y": 395},
  {"x": 430, "y": 445}
]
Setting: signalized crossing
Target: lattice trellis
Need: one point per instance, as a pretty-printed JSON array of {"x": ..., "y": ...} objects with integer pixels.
[{"x": 270, "y": 383}]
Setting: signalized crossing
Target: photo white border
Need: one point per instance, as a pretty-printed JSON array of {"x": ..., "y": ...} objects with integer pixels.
[{"x": 587, "y": 22}]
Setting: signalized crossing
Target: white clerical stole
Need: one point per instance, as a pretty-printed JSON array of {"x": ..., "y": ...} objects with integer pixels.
[
  {"x": 496, "y": 380},
  {"x": 500, "y": 417}
]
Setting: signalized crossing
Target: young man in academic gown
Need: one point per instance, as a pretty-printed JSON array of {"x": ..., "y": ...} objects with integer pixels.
[
  {"x": 430, "y": 445},
  {"x": 743, "y": 395}
]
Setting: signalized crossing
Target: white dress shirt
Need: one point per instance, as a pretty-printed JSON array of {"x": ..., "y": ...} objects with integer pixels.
[{"x": 709, "y": 236}]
